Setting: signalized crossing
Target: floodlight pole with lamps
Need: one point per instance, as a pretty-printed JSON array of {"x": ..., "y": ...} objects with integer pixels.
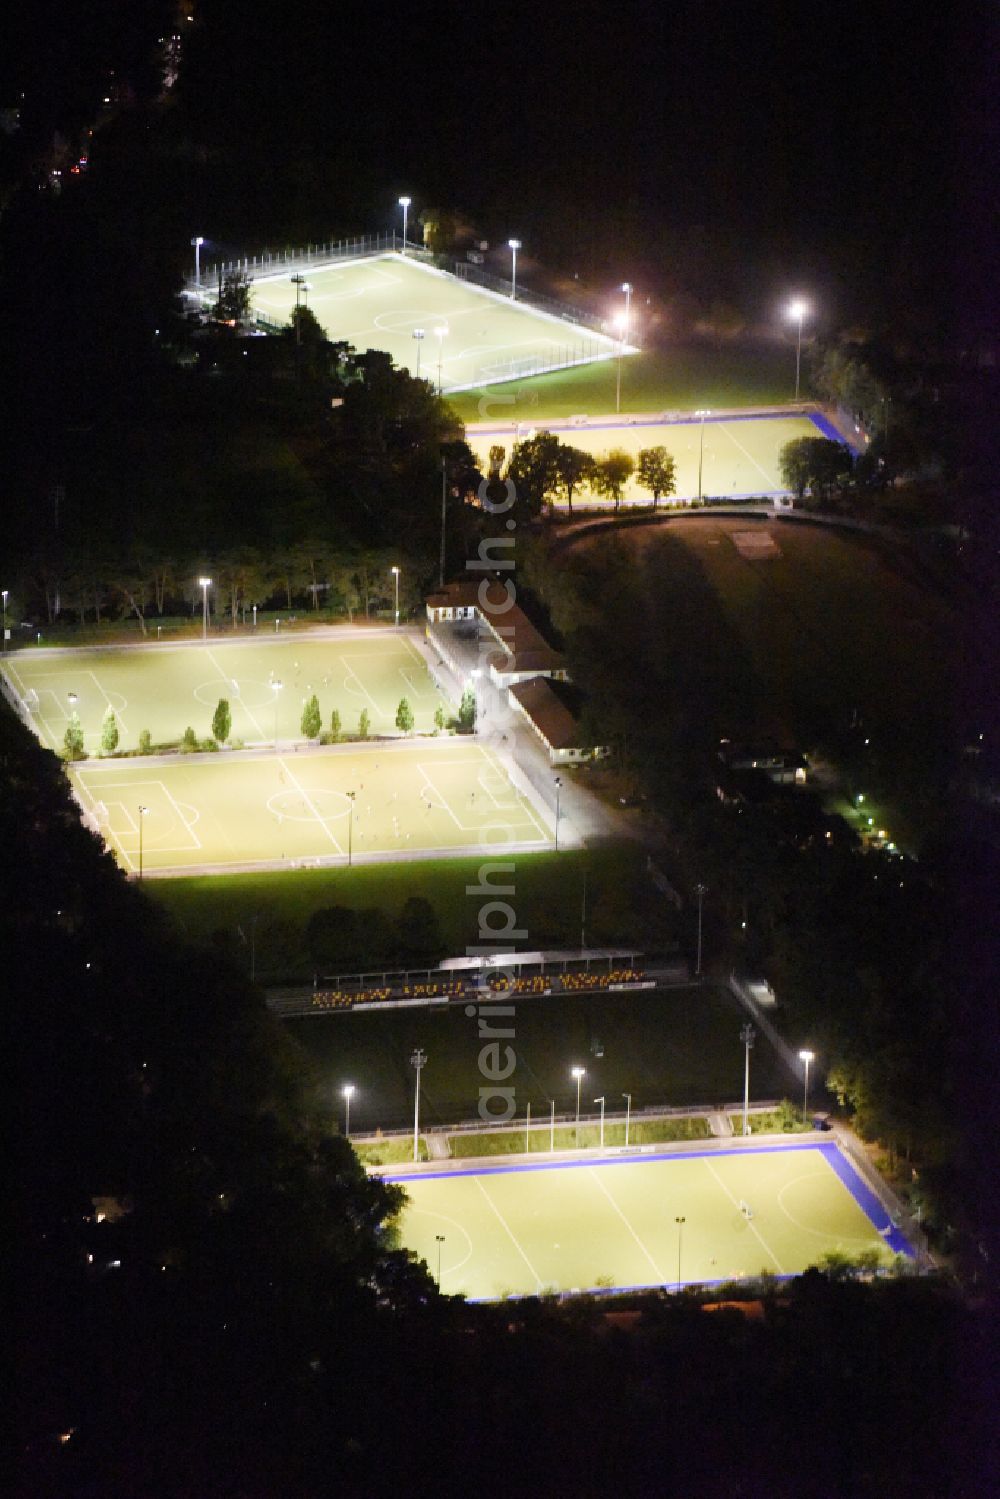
[
  {"x": 417, "y": 1061},
  {"x": 350, "y": 827},
  {"x": 143, "y": 813},
  {"x": 206, "y": 584},
  {"x": 601, "y": 1102},
  {"x": 579, "y": 1073},
  {"x": 5, "y": 592},
  {"x": 628, "y": 1114},
  {"x": 197, "y": 242},
  {"x": 276, "y": 687},
  {"x": 747, "y": 1036},
  {"x": 298, "y": 281},
  {"x": 701, "y": 448},
  {"x": 440, "y": 333},
  {"x": 348, "y": 1092},
  {"x": 806, "y": 1056},
  {"x": 515, "y": 245},
  {"x": 404, "y": 204},
  {"x": 558, "y": 785},
  {"x": 395, "y": 579},
  {"x": 797, "y": 310},
  {"x": 418, "y": 334},
  {"x": 622, "y": 331},
  {"x": 680, "y": 1220},
  {"x": 700, "y": 891},
  {"x": 439, "y": 1240}
]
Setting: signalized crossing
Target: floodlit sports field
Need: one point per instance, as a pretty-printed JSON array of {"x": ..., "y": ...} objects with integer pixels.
[
  {"x": 166, "y": 689},
  {"x": 380, "y": 303},
  {"x": 215, "y": 812},
  {"x": 521, "y": 1230},
  {"x": 741, "y": 454}
]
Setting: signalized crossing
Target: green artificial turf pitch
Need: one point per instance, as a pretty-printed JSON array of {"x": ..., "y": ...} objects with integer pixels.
[
  {"x": 234, "y": 810},
  {"x": 165, "y": 689},
  {"x": 599, "y": 1224},
  {"x": 382, "y": 302}
]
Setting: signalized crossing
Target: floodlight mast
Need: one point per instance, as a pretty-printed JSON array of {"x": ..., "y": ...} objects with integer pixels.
[
  {"x": 404, "y": 204},
  {"x": 206, "y": 584},
  {"x": 806, "y": 1056},
  {"x": 747, "y": 1036},
  {"x": 579, "y": 1073},
  {"x": 5, "y": 597},
  {"x": 622, "y": 321},
  {"x": 797, "y": 311},
  {"x": 348, "y": 1092},
  {"x": 418, "y": 1061},
  {"x": 701, "y": 448},
  {"x": 418, "y": 334},
  {"x": 395, "y": 579},
  {"x": 515, "y": 245},
  {"x": 197, "y": 242}
]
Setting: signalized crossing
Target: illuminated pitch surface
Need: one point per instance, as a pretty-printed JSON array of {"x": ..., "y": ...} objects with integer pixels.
[
  {"x": 378, "y": 303},
  {"x": 165, "y": 689},
  {"x": 228, "y": 811},
  {"x": 741, "y": 455},
  {"x": 580, "y": 1226}
]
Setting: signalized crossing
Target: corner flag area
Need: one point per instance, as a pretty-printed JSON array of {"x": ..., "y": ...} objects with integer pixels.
[
  {"x": 371, "y": 802},
  {"x": 447, "y": 331},
  {"x": 614, "y": 1223}
]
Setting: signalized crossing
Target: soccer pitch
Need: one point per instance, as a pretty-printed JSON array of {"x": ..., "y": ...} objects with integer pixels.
[
  {"x": 225, "y": 811},
  {"x": 741, "y": 454},
  {"x": 584, "y": 1225},
  {"x": 166, "y": 689},
  {"x": 384, "y": 302}
]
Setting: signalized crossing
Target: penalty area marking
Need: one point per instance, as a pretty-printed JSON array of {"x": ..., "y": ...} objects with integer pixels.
[
  {"x": 817, "y": 1233},
  {"x": 311, "y": 804}
]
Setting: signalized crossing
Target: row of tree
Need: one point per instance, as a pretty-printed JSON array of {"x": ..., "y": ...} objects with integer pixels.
[{"x": 543, "y": 469}]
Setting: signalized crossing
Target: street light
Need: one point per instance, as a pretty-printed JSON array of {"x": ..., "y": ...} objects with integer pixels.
[
  {"x": 747, "y": 1036},
  {"x": 206, "y": 584},
  {"x": 5, "y": 621},
  {"x": 515, "y": 245},
  {"x": 806, "y": 1056},
  {"x": 628, "y": 1113},
  {"x": 701, "y": 448},
  {"x": 350, "y": 828},
  {"x": 601, "y": 1102},
  {"x": 622, "y": 322},
  {"x": 418, "y": 334},
  {"x": 298, "y": 281},
  {"x": 197, "y": 242},
  {"x": 700, "y": 891},
  {"x": 418, "y": 1061},
  {"x": 558, "y": 785},
  {"x": 680, "y": 1220},
  {"x": 404, "y": 204},
  {"x": 440, "y": 333},
  {"x": 348, "y": 1092},
  {"x": 276, "y": 686},
  {"x": 395, "y": 579},
  {"x": 439, "y": 1240},
  {"x": 579, "y": 1073},
  {"x": 797, "y": 311},
  {"x": 143, "y": 813}
]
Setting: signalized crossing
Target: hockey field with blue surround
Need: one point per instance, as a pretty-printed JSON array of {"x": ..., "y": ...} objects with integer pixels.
[{"x": 611, "y": 1222}]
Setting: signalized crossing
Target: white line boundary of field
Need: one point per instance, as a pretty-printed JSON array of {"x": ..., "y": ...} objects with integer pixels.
[
  {"x": 661, "y": 1278},
  {"x": 509, "y": 1231},
  {"x": 312, "y": 805},
  {"x": 750, "y": 1223}
]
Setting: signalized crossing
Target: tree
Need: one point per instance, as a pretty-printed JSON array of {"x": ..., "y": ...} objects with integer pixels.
[
  {"x": 404, "y": 716},
  {"x": 312, "y": 720},
  {"x": 419, "y": 931},
  {"x": 656, "y": 471},
  {"x": 73, "y": 738},
  {"x": 364, "y": 724},
  {"x": 145, "y": 742},
  {"x": 109, "y": 733},
  {"x": 439, "y": 718},
  {"x": 533, "y": 470},
  {"x": 573, "y": 468},
  {"x": 336, "y": 729},
  {"x": 611, "y": 473},
  {"x": 234, "y": 304},
  {"x": 189, "y": 741},
  {"x": 818, "y": 465},
  {"x": 222, "y": 720},
  {"x": 305, "y": 327},
  {"x": 467, "y": 711}
]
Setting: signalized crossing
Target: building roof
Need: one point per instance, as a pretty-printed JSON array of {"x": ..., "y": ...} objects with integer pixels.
[
  {"x": 548, "y": 713},
  {"x": 527, "y": 649}
]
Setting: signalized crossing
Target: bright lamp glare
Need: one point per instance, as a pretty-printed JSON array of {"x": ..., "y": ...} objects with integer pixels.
[{"x": 798, "y": 310}]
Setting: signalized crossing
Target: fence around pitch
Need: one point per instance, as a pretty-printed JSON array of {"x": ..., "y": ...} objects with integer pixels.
[
  {"x": 465, "y": 271},
  {"x": 308, "y": 257}
]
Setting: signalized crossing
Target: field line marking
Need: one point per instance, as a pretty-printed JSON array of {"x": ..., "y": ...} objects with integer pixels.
[
  {"x": 508, "y": 1230},
  {"x": 360, "y": 687},
  {"x": 494, "y": 760},
  {"x": 103, "y": 692},
  {"x": 752, "y": 1226},
  {"x": 769, "y": 478},
  {"x": 445, "y": 803},
  {"x": 433, "y": 1213},
  {"x": 172, "y": 802},
  {"x": 311, "y": 804},
  {"x": 248, "y": 711},
  {"x": 659, "y": 1273},
  {"x": 819, "y": 1233},
  {"x": 107, "y": 831}
]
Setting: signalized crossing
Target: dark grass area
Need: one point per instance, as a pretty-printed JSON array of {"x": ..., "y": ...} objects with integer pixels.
[
  {"x": 677, "y": 1047},
  {"x": 667, "y": 378}
]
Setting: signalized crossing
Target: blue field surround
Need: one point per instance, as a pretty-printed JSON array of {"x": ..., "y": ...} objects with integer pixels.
[{"x": 866, "y": 1199}]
